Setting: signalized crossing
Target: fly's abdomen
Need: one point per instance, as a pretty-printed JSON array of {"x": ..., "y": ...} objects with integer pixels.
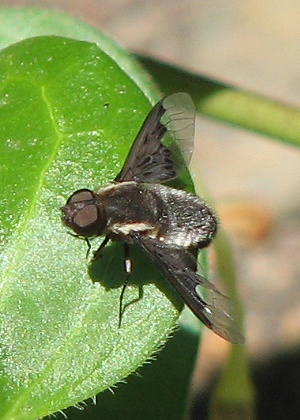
[{"x": 186, "y": 221}]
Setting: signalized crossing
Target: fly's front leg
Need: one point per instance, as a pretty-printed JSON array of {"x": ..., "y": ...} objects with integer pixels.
[
  {"x": 97, "y": 253},
  {"x": 89, "y": 246}
]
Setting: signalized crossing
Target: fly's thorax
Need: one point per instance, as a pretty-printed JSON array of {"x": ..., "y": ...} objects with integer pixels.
[
  {"x": 84, "y": 213},
  {"x": 130, "y": 205},
  {"x": 174, "y": 217}
]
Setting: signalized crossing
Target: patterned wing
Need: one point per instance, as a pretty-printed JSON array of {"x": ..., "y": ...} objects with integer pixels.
[
  {"x": 178, "y": 265},
  {"x": 149, "y": 160}
]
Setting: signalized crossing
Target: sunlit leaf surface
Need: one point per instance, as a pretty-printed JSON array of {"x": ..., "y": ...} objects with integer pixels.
[{"x": 68, "y": 115}]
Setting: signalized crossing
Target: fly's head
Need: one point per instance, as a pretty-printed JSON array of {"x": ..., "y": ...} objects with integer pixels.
[{"x": 84, "y": 214}]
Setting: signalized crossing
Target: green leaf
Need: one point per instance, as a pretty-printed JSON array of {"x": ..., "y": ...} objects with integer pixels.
[
  {"x": 159, "y": 391},
  {"x": 68, "y": 116},
  {"x": 233, "y": 396},
  {"x": 18, "y": 23}
]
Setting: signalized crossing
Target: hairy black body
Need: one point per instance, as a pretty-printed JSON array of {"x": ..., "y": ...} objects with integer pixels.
[{"x": 167, "y": 223}]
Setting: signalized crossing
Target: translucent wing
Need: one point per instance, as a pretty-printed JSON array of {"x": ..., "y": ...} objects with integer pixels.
[
  {"x": 180, "y": 121},
  {"x": 149, "y": 160},
  {"x": 178, "y": 266}
]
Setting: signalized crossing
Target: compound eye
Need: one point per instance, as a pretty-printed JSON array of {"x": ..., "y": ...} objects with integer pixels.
[
  {"x": 81, "y": 195},
  {"x": 86, "y": 217}
]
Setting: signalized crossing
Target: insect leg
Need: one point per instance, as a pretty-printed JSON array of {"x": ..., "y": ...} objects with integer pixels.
[
  {"x": 89, "y": 246},
  {"x": 97, "y": 253},
  {"x": 127, "y": 264}
]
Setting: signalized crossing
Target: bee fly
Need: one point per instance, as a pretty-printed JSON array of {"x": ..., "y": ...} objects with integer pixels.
[{"x": 170, "y": 225}]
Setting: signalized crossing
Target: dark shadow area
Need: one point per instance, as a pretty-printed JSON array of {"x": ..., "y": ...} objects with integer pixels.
[
  {"x": 166, "y": 378},
  {"x": 109, "y": 271},
  {"x": 276, "y": 382},
  {"x": 172, "y": 79}
]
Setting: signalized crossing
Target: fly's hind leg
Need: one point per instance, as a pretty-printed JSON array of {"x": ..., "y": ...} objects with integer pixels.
[
  {"x": 128, "y": 270},
  {"x": 127, "y": 265}
]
